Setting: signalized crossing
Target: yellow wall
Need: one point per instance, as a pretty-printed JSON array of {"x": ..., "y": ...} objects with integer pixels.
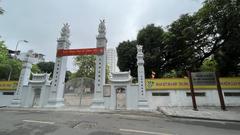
[
  {"x": 8, "y": 85},
  {"x": 183, "y": 83},
  {"x": 158, "y": 84}
]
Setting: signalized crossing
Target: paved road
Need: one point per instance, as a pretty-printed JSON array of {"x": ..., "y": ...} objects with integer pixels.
[{"x": 75, "y": 123}]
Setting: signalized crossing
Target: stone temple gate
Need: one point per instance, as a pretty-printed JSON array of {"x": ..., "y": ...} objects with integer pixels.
[
  {"x": 53, "y": 94},
  {"x": 57, "y": 87}
]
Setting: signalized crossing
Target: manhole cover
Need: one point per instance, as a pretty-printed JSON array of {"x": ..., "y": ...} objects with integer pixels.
[
  {"x": 104, "y": 133},
  {"x": 85, "y": 124}
]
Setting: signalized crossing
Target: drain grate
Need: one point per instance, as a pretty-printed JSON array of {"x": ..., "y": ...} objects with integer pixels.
[{"x": 85, "y": 124}]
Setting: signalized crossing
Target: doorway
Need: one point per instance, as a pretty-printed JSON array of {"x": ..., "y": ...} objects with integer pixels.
[
  {"x": 36, "y": 98},
  {"x": 121, "y": 99}
]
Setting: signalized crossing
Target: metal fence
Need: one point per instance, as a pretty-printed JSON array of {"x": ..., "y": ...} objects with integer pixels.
[{"x": 79, "y": 92}]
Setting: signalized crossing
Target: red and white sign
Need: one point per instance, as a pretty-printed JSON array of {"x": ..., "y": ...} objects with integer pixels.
[{"x": 87, "y": 51}]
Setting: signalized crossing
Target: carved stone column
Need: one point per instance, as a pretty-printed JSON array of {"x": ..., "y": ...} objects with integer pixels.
[
  {"x": 98, "y": 101},
  {"x": 23, "y": 79},
  {"x": 57, "y": 87},
  {"x": 142, "y": 100}
]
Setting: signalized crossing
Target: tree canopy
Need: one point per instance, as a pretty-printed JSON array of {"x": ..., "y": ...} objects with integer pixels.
[
  {"x": 127, "y": 52},
  {"x": 46, "y": 67},
  {"x": 85, "y": 65},
  {"x": 9, "y": 68},
  {"x": 213, "y": 31},
  {"x": 151, "y": 37},
  {"x": 3, "y": 52}
]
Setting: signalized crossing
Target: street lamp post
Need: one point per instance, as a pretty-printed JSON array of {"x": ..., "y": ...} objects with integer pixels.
[{"x": 25, "y": 41}]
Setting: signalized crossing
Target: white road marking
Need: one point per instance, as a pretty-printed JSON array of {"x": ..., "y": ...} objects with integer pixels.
[
  {"x": 144, "y": 132},
  {"x": 36, "y": 121}
]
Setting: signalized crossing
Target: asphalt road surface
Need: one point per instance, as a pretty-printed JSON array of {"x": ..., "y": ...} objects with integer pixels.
[{"x": 117, "y": 123}]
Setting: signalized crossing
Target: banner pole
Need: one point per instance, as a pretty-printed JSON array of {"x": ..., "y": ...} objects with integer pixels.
[
  {"x": 192, "y": 92},
  {"x": 220, "y": 94}
]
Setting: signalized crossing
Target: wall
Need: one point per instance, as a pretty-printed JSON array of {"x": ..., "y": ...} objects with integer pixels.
[
  {"x": 28, "y": 93},
  {"x": 179, "y": 98},
  {"x": 131, "y": 96},
  {"x": 5, "y": 100}
]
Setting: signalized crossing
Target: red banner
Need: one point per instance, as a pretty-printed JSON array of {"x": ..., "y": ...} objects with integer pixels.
[{"x": 87, "y": 51}]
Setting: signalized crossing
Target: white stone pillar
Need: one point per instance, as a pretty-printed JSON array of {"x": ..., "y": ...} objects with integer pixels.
[
  {"x": 98, "y": 101},
  {"x": 142, "y": 100},
  {"x": 55, "y": 98},
  {"x": 23, "y": 79}
]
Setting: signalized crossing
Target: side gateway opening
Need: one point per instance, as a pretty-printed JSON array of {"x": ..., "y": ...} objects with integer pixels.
[
  {"x": 36, "y": 98},
  {"x": 121, "y": 98}
]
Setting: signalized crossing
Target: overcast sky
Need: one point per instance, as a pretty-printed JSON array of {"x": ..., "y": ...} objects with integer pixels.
[{"x": 40, "y": 21}]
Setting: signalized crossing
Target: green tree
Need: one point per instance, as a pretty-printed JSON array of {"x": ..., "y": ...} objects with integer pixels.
[
  {"x": 151, "y": 37},
  {"x": 179, "y": 45},
  {"x": 16, "y": 68},
  {"x": 5, "y": 71},
  {"x": 214, "y": 28},
  {"x": 228, "y": 59},
  {"x": 86, "y": 66},
  {"x": 218, "y": 23},
  {"x": 170, "y": 74},
  {"x": 188, "y": 41},
  {"x": 209, "y": 65},
  {"x": 35, "y": 69},
  {"x": 127, "y": 52},
  {"x": 46, "y": 67},
  {"x": 68, "y": 75},
  {"x": 3, "y": 52},
  {"x": 11, "y": 69},
  {"x": 8, "y": 67}
]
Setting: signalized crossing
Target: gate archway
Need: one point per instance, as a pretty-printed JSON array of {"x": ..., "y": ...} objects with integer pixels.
[{"x": 57, "y": 87}]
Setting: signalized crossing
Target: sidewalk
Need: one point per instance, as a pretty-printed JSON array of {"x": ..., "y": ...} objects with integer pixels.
[
  {"x": 204, "y": 113},
  {"x": 65, "y": 108},
  {"x": 207, "y": 113},
  {"x": 87, "y": 110}
]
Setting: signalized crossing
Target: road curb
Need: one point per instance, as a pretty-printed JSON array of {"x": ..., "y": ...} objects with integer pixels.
[
  {"x": 202, "y": 118},
  {"x": 123, "y": 112},
  {"x": 196, "y": 118},
  {"x": 53, "y": 110}
]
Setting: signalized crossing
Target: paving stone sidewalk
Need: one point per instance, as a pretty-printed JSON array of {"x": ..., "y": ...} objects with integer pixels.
[{"x": 207, "y": 113}]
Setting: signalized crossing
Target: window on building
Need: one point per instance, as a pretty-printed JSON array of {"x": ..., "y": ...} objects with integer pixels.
[
  {"x": 160, "y": 94},
  {"x": 8, "y": 93},
  {"x": 197, "y": 94},
  {"x": 232, "y": 94}
]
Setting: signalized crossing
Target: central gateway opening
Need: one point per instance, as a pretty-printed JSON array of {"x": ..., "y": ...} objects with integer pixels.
[{"x": 79, "y": 92}]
